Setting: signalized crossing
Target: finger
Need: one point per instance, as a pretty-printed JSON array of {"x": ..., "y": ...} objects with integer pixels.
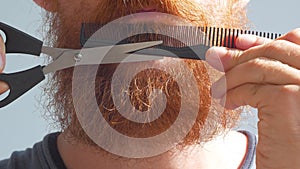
[
  {"x": 222, "y": 58},
  {"x": 292, "y": 36},
  {"x": 280, "y": 50},
  {"x": 248, "y": 94},
  {"x": 2, "y": 54},
  {"x": 259, "y": 71},
  {"x": 246, "y": 41},
  {"x": 262, "y": 96},
  {"x": 3, "y": 86},
  {"x": 242, "y": 42}
]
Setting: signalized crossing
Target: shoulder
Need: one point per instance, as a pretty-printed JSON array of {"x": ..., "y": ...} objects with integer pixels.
[
  {"x": 22, "y": 159},
  {"x": 37, "y": 157}
]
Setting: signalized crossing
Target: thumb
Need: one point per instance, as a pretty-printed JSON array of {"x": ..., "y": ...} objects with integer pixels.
[{"x": 246, "y": 41}]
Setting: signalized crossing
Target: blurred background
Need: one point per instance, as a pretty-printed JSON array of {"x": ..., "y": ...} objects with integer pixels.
[{"x": 22, "y": 124}]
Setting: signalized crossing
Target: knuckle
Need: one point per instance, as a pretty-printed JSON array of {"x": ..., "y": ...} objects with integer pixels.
[
  {"x": 273, "y": 48},
  {"x": 292, "y": 36},
  {"x": 235, "y": 55},
  {"x": 289, "y": 91},
  {"x": 255, "y": 89},
  {"x": 295, "y": 33},
  {"x": 258, "y": 65},
  {"x": 289, "y": 95},
  {"x": 254, "y": 63},
  {"x": 297, "y": 30},
  {"x": 274, "y": 45}
]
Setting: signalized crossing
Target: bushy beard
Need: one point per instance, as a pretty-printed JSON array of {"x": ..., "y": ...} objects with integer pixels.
[{"x": 64, "y": 31}]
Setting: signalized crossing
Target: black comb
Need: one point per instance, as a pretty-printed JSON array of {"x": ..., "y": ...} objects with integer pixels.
[{"x": 189, "y": 42}]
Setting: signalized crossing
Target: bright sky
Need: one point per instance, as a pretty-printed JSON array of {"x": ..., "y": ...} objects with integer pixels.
[{"x": 21, "y": 123}]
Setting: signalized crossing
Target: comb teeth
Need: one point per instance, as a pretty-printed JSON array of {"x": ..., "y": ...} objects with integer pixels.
[
  {"x": 226, "y": 36},
  {"x": 176, "y": 36},
  {"x": 188, "y": 42},
  {"x": 214, "y": 36}
]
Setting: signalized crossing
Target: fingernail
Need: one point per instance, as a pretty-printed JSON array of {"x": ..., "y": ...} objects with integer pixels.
[
  {"x": 213, "y": 55},
  {"x": 248, "y": 38}
]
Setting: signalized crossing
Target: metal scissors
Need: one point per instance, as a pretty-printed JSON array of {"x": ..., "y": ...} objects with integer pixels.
[{"x": 20, "y": 42}]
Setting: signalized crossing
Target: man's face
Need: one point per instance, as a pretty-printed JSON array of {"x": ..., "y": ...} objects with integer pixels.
[{"x": 65, "y": 26}]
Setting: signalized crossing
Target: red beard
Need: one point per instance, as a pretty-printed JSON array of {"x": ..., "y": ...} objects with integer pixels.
[{"x": 210, "y": 120}]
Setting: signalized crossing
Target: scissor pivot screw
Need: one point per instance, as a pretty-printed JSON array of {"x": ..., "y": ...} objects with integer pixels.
[{"x": 78, "y": 57}]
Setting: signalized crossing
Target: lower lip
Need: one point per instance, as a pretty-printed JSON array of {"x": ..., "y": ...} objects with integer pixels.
[{"x": 146, "y": 10}]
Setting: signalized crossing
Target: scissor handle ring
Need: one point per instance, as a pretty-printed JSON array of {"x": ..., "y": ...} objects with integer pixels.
[
  {"x": 20, "y": 42},
  {"x": 20, "y": 82}
]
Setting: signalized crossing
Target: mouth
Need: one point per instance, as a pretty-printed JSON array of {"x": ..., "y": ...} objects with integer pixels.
[
  {"x": 148, "y": 9},
  {"x": 145, "y": 14}
]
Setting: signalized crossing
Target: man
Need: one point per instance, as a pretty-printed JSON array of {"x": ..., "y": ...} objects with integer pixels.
[{"x": 261, "y": 73}]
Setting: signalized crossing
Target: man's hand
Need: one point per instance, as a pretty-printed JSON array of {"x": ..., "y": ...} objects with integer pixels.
[
  {"x": 3, "y": 86},
  {"x": 265, "y": 74}
]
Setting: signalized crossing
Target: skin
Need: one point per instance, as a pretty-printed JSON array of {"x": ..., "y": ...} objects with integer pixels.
[
  {"x": 265, "y": 74},
  {"x": 257, "y": 74},
  {"x": 3, "y": 86}
]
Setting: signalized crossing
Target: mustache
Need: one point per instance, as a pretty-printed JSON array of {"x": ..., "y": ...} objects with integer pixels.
[
  {"x": 136, "y": 6},
  {"x": 111, "y": 10},
  {"x": 106, "y": 11},
  {"x": 171, "y": 35}
]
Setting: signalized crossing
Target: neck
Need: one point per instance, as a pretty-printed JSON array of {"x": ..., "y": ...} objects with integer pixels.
[{"x": 226, "y": 151}]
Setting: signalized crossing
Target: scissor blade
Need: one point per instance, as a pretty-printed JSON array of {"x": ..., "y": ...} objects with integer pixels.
[
  {"x": 92, "y": 57},
  {"x": 54, "y": 53},
  {"x": 117, "y": 54},
  {"x": 124, "y": 48},
  {"x": 127, "y": 58},
  {"x": 102, "y": 55},
  {"x": 132, "y": 47}
]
